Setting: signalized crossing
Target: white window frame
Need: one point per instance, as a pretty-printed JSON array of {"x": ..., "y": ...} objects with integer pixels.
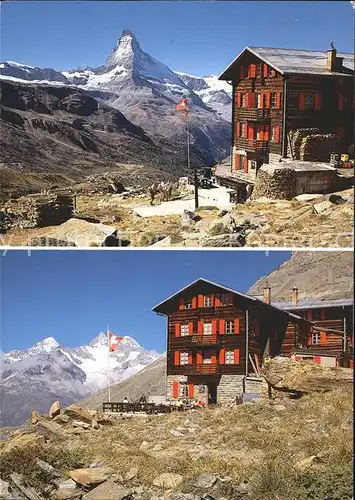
[
  {"x": 274, "y": 100},
  {"x": 259, "y": 100},
  {"x": 183, "y": 389},
  {"x": 184, "y": 330},
  {"x": 188, "y": 304},
  {"x": 208, "y": 300},
  {"x": 184, "y": 358},
  {"x": 229, "y": 357},
  {"x": 259, "y": 70},
  {"x": 229, "y": 327},
  {"x": 244, "y": 100},
  {"x": 273, "y": 133},
  {"x": 309, "y": 100},
  {"x": 315, "y": 338},
  {"x": 207, "y": 328}
]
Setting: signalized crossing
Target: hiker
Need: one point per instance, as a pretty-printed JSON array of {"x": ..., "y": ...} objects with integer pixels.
[{"x": 125, "y": 400}]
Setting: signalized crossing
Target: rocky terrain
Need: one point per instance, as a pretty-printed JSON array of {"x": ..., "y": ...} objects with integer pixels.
[
  {"x": 325, "y": 275},
  {"x": 47, "y": 371},
  {"x": 267, "y": 449}
]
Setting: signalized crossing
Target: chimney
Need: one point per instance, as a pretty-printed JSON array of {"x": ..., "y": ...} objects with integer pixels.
[
  {"x": 267, "y": 294},
  {"x": 294, "y": 296},
  {"x": 332, "y": 58}
]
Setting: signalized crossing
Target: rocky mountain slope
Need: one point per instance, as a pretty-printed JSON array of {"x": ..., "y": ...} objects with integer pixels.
[
  {"x": 36, "y": 376},
  {"x": 86, "y": 128},
  {"x": 214, "y": 93},
  {"x": 317, "y": 275}
]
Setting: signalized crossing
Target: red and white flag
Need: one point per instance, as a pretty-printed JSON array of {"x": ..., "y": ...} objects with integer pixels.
[
  {"x": 183, "y": 105},
  {"x": 113, "y": 341}
]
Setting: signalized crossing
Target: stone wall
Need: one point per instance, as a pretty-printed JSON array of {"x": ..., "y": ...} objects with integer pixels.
[{"x": 229, "y": 387}]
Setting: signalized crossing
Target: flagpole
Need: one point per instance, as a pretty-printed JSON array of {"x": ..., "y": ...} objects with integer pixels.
[
  {"x": 188, "y": 160},
  {"x": 108, "y": 366}
]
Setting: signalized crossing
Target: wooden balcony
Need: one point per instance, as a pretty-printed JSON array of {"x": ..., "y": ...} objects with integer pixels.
[
  {"x": 200, "y": 369},
  {"x": 253, "y": 114},
  {"x": 252, "y": 145},
  {"x": 194, "y": 340}
]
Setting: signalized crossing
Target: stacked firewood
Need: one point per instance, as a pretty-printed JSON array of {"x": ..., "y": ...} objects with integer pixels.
[
  {"x": 39, "y": 210},
  {"x": 318, "y": 147},
  {"x": 275, "y": 183},
  {"x": 296, "y": 137}
]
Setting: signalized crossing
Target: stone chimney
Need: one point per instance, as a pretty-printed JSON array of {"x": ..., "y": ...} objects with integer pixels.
[
  {"x": 294, "y": 296},
  {"x": 334, "y": 63},
  {"x": 267, "y": 294}
]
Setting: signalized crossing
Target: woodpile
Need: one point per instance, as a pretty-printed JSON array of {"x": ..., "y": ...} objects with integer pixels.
[
  {"x": 318, "y": 147},
  {"x": 275, "y": 183},
  {"x": 309, "y": 144},
  {"x": 38, "y": 210}
]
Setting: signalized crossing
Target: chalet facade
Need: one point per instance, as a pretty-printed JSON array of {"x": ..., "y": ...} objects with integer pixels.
[
  {"x": 277, "y": 91},
  {"x": 216, "y": 334},
  {"x": 331, "y": 341}
]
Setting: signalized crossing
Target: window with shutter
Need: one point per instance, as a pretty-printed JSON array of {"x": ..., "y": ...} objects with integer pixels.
[
  {"x": 316, "y": 338},
  {"x": 184, "y": 330},
  {"x": 208, "y": 300},
  {"x": 184, "y": 358},
  {"x": 229, "y": 327},
  {"x": 229, "y": 357},
  {"x": 207, "y": 328}
]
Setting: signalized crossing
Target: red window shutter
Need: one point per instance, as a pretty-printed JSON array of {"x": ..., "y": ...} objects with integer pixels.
[
  {"x": 241, "y": 71},
  {"x": 323, "y": 314},
  {"x": 245, "y": 129},
  {"x": 237, "y": 129},
  {"x": 236, "y": 162},
  {"x": 177, "y": 330},
  {"x": 247, "y": 100},
  {"x": 262, "y": 100},
  {"x": 252, "y": 100},
  {"x": 200, "y": 328},
  {"x": 245, "y": 164},
  {"x": 236, "y": 356},
  {"x": 175, "y": 392},
  {"x": 265, "y": 70},
  {"x": 316, "y": 359},
  {"x": 340, "y": 102},
  {"x": 181, "y": 303},
  {"x": 267, "y": 100},
  {"x": 194, "y": 301},
  {"x": 176, "y": 358},
  {"x": 278, "y": 100},
  {"x": 213, "y": 359},
  {"x": 191, "y": 391},
  {"x": 309, "y": 341},
  {"x": 222, "y": 356},
  {"x": 200, "y": 301},
  {"x": 217, "y": 300},
  {"x": 323, "y": 338},
  {"x": 266, "y": 133},
  {"x": 317, "y": 101},
  {"x": 277, "y": 134},
  {"x": 199, "y": 358},
  {"x": 351, "y": 364},
  {"x": 239, "y": 99},
  {"x": 251, "y": 131},
  {"x": 191, "y": 328},
  {"x": 301, "y": 100},
  {"x": 190, "y": 358},
  {"x": 214, "y": 327},
  {"x": 252, "y": 70},
  {"x": 222, "y": 326},
  {"x": 237, "y": 325},
  {"x": 309, "y": 315}
]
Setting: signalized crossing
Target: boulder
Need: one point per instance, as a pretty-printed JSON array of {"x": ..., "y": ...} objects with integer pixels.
[
  {"x": 322, "y": 206},
  {"x": 67, "y": 494},
  {"x": 287, "y": 375},
  {"x": 109, "y": 490},
  {"x": 206, "y": 480},
  {"x": 90, "y": 477},
  {"x": 49, "y": 429},
  {"x": 54, "y": 410},
  {"x": 168, "y": 480},
  {"x": 61, "y": 419},
  {"x": 35, "y": 417},
  {"x": 188, "y": 216},
  {"x": 27, "y": 491},
  {"x": 79, "y": 413},
  {"x": 131, "y": 474},
  {"x": 79, "y": 423},
  {"x": 176, "y": 433}
]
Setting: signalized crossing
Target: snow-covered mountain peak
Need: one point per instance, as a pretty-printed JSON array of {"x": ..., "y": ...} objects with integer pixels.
[
  {"x": 123, "y": 54},
  {"x": 99, "y": 341},
  {"x": 46, "y": 345}
]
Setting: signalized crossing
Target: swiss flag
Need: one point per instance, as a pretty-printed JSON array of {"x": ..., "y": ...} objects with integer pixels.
[
  {"x": 113, "y": 341},
  {"x": 183, "y": 105}
]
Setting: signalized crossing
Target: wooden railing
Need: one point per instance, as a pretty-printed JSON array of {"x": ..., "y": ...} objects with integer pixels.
[
  {"x": 252, "y": 145},
  {"x": 199, "y": 369},
  {"x": 253, "y": 114},
  {"x": 194, "y": 340},
  {"x": 150, "y": 408}
]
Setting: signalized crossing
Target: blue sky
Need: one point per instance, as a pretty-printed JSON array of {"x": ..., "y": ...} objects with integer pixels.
[
  {"x": 194, "y": 37},
  {"x": 73, "y": 295}
]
